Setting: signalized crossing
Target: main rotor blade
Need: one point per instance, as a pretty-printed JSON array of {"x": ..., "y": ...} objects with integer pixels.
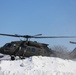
[
  {"x": 16, "y": 35},
  {"x": 11, "y": 35},
  {"x": 37, "y": 36},
  {"x": 56, "y": 37}
]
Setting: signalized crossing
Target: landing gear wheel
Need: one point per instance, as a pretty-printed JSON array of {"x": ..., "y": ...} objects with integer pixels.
[
  {"x": 21, "y": 57},
  {"x": 12, "y": 57}
]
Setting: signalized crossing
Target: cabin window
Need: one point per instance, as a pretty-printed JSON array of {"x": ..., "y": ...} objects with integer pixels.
[
  {"x": 28, "y": 49},
  {"x": 33, "y": 49}
]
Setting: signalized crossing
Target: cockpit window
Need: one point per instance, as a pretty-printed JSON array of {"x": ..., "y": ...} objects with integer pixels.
[{"x": 9, "y": 45}]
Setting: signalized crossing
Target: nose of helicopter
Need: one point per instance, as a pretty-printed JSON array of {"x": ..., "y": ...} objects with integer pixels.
[{"x": 1, "y": 50}]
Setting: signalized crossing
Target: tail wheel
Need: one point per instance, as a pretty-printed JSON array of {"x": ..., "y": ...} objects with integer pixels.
[{"x": 12, "y": 57}]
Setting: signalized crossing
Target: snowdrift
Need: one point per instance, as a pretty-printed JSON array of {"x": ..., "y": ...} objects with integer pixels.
[{"x": 38, "y": 65}]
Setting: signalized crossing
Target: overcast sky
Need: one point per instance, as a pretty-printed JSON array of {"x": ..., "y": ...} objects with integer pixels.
[{"x": 48, "y": 17}]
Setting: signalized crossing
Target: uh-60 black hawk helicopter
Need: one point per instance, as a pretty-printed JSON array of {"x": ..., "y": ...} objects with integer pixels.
[{"x": 26, "y": 48}]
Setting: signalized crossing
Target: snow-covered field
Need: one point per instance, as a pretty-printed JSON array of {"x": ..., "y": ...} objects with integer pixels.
[{"x": 38, "y": 65}]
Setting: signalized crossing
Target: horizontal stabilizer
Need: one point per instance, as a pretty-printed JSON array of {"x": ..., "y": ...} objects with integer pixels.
[{"x": 72, "y": 42}]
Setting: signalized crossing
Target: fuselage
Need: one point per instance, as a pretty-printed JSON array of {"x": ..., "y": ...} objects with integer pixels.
[{"x": 22, "y": 48}]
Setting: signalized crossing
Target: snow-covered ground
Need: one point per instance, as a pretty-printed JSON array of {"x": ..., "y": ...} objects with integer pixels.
[{"x": 38, "y": 65}]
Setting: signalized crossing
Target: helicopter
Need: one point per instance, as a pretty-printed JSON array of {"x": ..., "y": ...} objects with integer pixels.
[{"x": 26, "y": 48}]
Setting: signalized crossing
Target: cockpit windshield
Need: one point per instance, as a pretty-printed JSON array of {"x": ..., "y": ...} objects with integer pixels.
[{"x": 7, "y": 45}]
